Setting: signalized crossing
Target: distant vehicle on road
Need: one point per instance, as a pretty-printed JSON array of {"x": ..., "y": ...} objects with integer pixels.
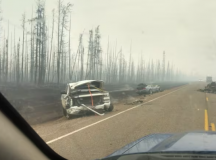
[
  {"x": 147, "y": 89},
  {"x": 84, "y": 96},
  {"x": 208, "y": 79}
]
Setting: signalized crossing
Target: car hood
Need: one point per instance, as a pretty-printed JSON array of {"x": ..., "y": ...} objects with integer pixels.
[{"x": 184, "y": 142}]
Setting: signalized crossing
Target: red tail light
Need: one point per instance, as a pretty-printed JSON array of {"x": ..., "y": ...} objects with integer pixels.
[{"x": 143, "y": 88}]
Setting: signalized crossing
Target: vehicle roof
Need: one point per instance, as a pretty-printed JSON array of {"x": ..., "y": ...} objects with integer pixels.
[{"x": 75, "y": 84}]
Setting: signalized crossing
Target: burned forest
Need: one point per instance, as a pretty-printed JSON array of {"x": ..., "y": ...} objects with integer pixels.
[{"x": 44, "y": 54}]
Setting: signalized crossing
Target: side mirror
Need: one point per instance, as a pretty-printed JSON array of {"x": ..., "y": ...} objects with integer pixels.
[{"x": 63, "y": 92}]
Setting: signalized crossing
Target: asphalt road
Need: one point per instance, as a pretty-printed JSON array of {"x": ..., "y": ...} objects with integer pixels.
[{"x": 176, "y": 110}]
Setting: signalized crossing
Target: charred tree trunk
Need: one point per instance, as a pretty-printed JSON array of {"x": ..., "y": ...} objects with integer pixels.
[
  {"x": 69, "y": 51},
  {"x": 23, "y": 27},
  {"x": 15, "y": 57},
  {"x": 37, "y": 47},
  {"x": 58, "y": 53},
  {"x": 51, "y": 44},
  {"x": 18, "y": 64},
  {"x": 6, "y": 61},
  {"x": 32, "y": 51}
]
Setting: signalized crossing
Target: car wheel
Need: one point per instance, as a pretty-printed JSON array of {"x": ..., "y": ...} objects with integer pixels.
[
  {"x": 66, "y": 114},
  {"x": 64, "y": 111},
  {"x": 110, "y": 108}
]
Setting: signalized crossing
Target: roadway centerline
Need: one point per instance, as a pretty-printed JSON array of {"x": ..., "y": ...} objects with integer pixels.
[
  {"x": 78, "y": 130},
  {"x": 206, "y": 118},
  {"x": 206, "y": 121},
  {"x": 212, "y": 126}
]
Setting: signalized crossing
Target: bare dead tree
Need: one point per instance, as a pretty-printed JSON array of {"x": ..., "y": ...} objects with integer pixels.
[
  {"x": 6, "y": 61},
  {"x": 96, "y": 53},
  {"x": 152, "y": 71},
  {"x": 18, "y": 63},
  {"x": 26, "y": 59},
  {"x": 15, "y": 57},
  {"x": 81, "y": 58},
  {"x": 43, "y": 47},
  {"x": 69, "y": 50},
  {"x": 23, "y": 44},
  {"x": 89, "y": 56},
  {"x": 37, "y": 45},
  {"x": 32, "y": 49},
  {"x": 51, "y": 44},
  {"x": 6, "y": 56},
  {"x": 65, "y": 15},
  {"x": 39, "y": 56},
  {"x": 107, "y": 62},
  {"x": 129, "y": 67},
  {"x": 11, "y": 58},
  {"x": 3, "y": 58},
  {"x": 53, "y": 64},
  {"x": 58, "y": 52},
  {"x": 77, "y": 55},
  {"x": 168, "y": 72}
]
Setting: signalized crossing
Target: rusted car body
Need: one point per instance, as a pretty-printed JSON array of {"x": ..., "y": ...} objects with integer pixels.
[{"x": 84, "y": 96}]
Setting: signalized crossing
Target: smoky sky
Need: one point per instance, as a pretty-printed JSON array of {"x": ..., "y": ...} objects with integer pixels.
[{"x": 185, "y": 30}]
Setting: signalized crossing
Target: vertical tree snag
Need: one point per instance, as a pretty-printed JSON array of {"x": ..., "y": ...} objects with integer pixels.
[{"x": 22, "y": 63}]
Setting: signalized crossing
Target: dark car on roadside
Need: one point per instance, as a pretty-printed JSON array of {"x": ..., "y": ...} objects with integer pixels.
[
  {"x": 143, "y": 88},
  {"x": 140, "y": 89}
]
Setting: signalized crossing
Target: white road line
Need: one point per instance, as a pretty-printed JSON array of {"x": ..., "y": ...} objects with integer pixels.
[{"x": 78, "y": 130}]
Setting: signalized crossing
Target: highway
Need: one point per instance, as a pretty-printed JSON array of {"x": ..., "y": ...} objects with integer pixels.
[{"x": 175, "y": 110}]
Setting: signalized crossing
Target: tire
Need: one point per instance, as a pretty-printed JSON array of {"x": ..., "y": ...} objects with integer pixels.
[
  {"x": 66, "y": 114},
  {"x": 110, "y": 109},
  {"x": 64, "y": 111}
]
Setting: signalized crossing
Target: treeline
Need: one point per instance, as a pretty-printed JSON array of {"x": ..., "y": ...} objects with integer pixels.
[{"x": 43, "y": 55}]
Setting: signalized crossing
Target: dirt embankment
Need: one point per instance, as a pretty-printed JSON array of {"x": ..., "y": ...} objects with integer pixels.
[{"x": 40, "y": 104}]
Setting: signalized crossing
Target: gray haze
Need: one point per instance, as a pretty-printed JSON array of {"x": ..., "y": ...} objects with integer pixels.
[{"x": 186, "y": 30}]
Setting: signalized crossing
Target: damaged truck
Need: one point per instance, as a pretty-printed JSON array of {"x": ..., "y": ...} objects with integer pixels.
[{"x": 85, "y": 96}]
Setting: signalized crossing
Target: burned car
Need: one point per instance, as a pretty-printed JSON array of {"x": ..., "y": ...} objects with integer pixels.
[
  {"x": 147, "y": 89},
  {"x": 85, "y": 96},
  {"x": 157, "y": 88}
]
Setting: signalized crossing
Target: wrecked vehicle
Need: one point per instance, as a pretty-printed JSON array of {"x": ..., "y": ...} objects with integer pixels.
[
  {"x": 147, "y": 89},
  {"x": 211, "y": 87},
  {"x": 141, "y": 88},
  {"x": 157, "y": 88},
  {"x": 85, "y": 96}
]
